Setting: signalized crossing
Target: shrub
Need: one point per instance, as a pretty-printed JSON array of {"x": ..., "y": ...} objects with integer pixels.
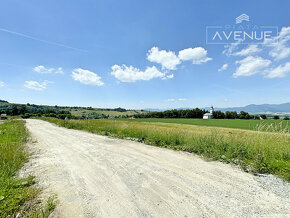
[
  {"x": 26, "y": 116},
  {"x": 61, "y": 116}
]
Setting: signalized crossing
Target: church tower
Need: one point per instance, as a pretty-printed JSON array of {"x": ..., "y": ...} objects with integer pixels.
[{"x": 211, "y": 110}]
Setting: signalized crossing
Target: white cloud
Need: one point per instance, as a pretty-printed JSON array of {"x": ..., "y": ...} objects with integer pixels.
[
  {"x": 43, "y": 70},
  {"x": 179, "y": 99},
  {"x": 277, "y": 48},
  {"x": 229, "y": 49},
  {"x": 250, "y": 50},
  {"x": 226, "y": 100},
  {"x": 280, "y": 45},
  {"x": 86, "y": 77},
  {"x": 224, "y": 67},
  {"x": 197, "y": 55},
  {"x": 167, "y": 59},
  {"x": 36, "y": 85},
  {"x": 132, "y": 74},
  {"x": 250, "y": 66},
  {"x": 170, "y": 76},
  {"x": 2, "y": 84},
  {"x": 279, "y": 71},
  {"x": 59, "y": 71}
]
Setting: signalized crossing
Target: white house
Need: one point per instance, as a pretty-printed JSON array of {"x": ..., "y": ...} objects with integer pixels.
[{"x": 209, "y": 115}]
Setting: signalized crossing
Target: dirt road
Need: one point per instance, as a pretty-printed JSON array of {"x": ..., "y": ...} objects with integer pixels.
[{"x": 97, "y": 176}]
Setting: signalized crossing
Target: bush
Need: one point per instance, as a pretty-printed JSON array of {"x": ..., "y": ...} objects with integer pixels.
[
  {"x": 276, "y": 117},
  {"x": 286, "y": 118},
  {"x": 61, "y": 116},
  {"x": 26, "y": 116}
]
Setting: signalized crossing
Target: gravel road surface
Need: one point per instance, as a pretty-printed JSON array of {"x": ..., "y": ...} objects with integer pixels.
[{"x": 98, "y": 176}]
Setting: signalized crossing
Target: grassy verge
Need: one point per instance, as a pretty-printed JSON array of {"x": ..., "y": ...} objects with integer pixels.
[
  {"x": 255, "y": 151},
  {"x": 46, "y": 210},
  {"x": 14, "y": 192}
]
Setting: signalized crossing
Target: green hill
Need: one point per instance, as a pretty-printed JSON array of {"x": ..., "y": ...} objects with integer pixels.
[{"x": 17, "y": 109}]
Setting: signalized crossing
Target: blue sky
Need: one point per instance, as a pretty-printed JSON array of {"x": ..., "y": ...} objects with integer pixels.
[{"x": 140, "y": 54}]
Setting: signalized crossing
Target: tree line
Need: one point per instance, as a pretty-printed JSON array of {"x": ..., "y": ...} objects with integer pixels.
[
  {"x": 198, "y": 113},
  {"x": 31, "y": 110},
  {"x": 28, "y": 111}
]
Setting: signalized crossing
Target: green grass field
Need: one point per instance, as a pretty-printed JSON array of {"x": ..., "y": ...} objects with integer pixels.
[
  {"x": 261, "y": 125},
  {"x": 254, "y": 151},
  {"x": 13, "y": 192},
  {"x": 17, "y": 195}
]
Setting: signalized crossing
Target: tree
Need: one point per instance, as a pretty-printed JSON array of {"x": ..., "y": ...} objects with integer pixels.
[
  {"x": 23, "y": 110},
  {"x": 14, "y": 110},
  {"x": 276, "y": 117},
  {"x": 244, "y": 115},
  {"x": 231, "y": 115},
  {"x": 218, "y": 115},
  {"x": 263, "y": 116},
  {"x": 120, "y": 109}
]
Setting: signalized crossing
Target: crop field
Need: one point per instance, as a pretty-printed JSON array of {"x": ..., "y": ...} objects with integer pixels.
[
  {"x": 268, "y": 125},
  {"x": 255, "y": 151}
]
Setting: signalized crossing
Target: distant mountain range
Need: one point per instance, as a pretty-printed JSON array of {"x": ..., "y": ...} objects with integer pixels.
[
  {"x": 251, "y": 108},
  {"x": 261, "y": 108}
]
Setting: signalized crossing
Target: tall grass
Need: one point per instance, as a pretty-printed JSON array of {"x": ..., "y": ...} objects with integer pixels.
[
  {"x": 282, "y": 127},
  {"x": 255, "y": 151},
  {"x": 13, "y": 192}
]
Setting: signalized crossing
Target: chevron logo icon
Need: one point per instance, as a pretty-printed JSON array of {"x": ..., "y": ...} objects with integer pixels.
[{"x": 241, "y": 18}]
